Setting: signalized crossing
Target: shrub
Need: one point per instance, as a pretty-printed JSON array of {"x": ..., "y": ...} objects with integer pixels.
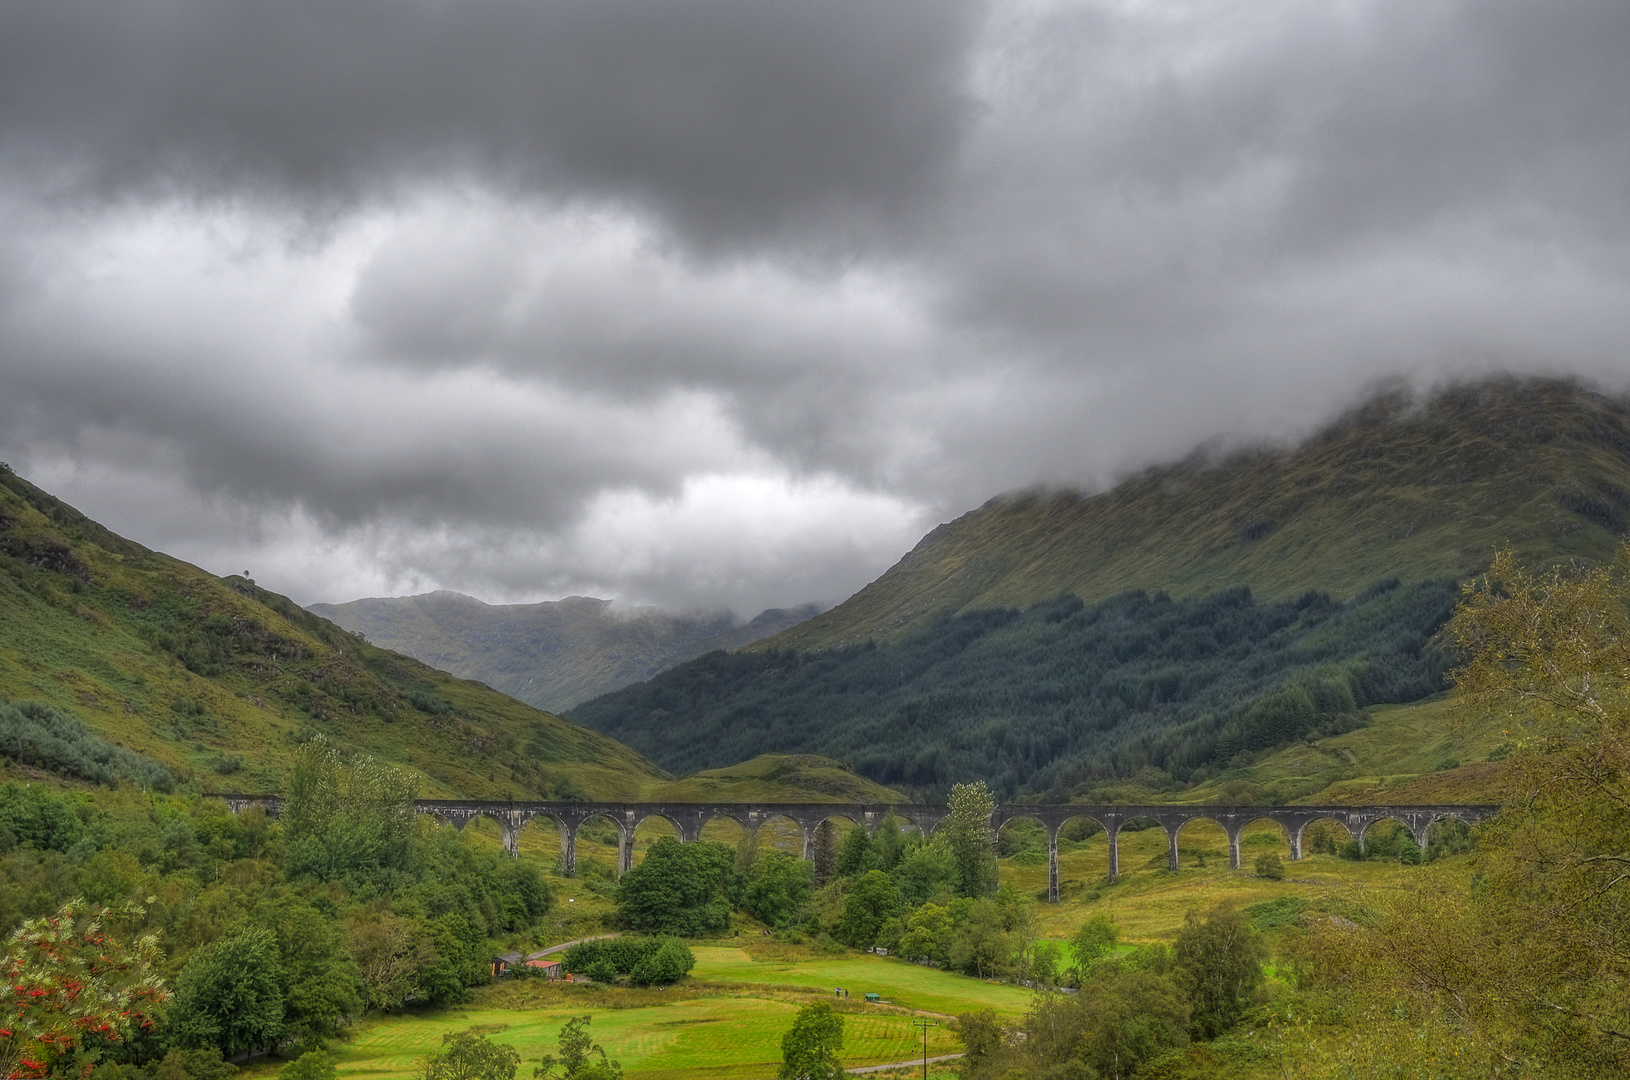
[
  {"x": 646, "y": 961},
  {"x": 1268, "y": 866},
  {"x": 48, "y": 738}
]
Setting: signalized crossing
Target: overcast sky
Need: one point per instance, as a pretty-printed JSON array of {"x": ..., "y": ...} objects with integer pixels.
[{"x": 723, "y": 303}]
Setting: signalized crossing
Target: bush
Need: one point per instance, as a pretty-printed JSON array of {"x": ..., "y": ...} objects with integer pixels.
[
  {"x": 645, "y": 961},
  {"x": 48, "y": 738},
  {"x": 1268, "y": 866}
]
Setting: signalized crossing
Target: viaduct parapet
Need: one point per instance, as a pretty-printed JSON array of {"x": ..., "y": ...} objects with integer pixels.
[{"x": 689, "y": 818}]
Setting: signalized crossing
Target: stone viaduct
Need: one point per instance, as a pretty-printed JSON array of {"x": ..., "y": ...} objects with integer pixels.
[{"x": 689, "y": 818}]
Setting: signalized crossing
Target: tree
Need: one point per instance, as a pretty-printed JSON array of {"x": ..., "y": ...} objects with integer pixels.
[
  {"x": 1218, "y": 961},
  {"x": 856, "y": 855},
  {"x": 980, "y": 945},
  {"x": 346, "y": 816},
  {"x": 872, "y": 901},
  {"x": 1044, "y": 964},
  {"x": 824, "y": 852},
  {"x": 1095, "y": 939},
  {"x": 390, "y": 952},
  {"x": 62, "y": 978},
  {"x": 578, "y": 1052},
  {"x": 890, "y": 842},
  {"x": 469, "y": 1055},
  {"x": 319, "y": 981},
  {"x": 926, "y": 872},
  {"x": 966, "y": 832},
  {"x": 982, "y": 1034},
  {"x": 809, "y": 1049},
  {"x": 229, "y": 996},
  {"x": 927, "y": 931},
  {"x": 678, "y": 889},
  {"x": 311, "y": 1065},
  {"x": 779, "y": 888},
  {"x": 1269, "y": 866},
  {"x": 670, "y": 962}
]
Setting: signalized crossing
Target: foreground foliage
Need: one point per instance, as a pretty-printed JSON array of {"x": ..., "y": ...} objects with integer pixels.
[
  {"x": 65, "y": 981},
  {"x": 1536, "y": 960},
  {"x": 810, "y": 1048}
]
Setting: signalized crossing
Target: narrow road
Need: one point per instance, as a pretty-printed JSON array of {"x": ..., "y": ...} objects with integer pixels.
[
  {"x": 901, "y": 1064},
  {"x": 566, "y": 945}
]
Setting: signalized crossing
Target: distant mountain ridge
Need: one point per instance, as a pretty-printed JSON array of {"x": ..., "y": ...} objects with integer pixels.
[
  {"x": 554, "y": 654},
  {"x": 1399, "y": 486}
]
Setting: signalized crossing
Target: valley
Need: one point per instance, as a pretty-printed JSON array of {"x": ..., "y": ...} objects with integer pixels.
[{"x": 1001, "y": 652}]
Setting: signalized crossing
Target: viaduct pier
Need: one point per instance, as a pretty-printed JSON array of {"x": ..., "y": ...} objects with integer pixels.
[{"x": 689, "y": 818}]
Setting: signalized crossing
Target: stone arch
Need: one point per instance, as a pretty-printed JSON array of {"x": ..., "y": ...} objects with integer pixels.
[
  {"x": 1389, "y": 815},
  {"x": 648, "y": 822},
  {"x": 481, "y": 833},
  {"x": 1137, "y": 823},
  {"x": 535, "y": 824},
  {"x": 1302, "y": 837},
  {"x": 723, "y": 825},
  {"x": 604, "y": 827},
  {"x": 1060, "y": 831},
  {"x": 925, "y": 821},
  {"x": 779, "y": 830},
  {"x": 1244, "y": 836},
  {"x": 1452, "y": 837},
  {"x": 1208, "y": 822}
]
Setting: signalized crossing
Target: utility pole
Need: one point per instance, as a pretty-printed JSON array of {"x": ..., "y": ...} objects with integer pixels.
[{"x": 925, "y": 1025}]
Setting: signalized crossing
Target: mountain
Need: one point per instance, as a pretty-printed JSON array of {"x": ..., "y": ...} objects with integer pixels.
[
  {"x": 550, "y": 655},
  {"x": 1178, "y": 626},
  {"x": 117, "y": 662},
  {"x": 1398, "y": 487}
]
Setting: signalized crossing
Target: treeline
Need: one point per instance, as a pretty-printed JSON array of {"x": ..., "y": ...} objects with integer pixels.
[
  {"x": 270, "y": 934},
  {"x": 1053, "y": 697}
]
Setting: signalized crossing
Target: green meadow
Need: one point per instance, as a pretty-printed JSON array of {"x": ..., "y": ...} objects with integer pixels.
[{"x": 699, "y": 1031}]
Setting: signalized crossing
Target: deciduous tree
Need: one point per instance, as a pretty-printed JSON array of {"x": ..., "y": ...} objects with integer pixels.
[
  {"x": 1217, "y": 959},
  {"x": 810, "y": 1048},
  {"x": 229, "y": 995},
  {"x": 580, "y": 1057},
  {"x": 63, "y": 978},
  {"x": 469, "y": 1055},
  {"x": 967, "y": 833}
]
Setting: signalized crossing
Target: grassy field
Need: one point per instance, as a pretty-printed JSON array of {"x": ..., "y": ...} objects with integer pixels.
[
  {"x": 700, "y": 1031},
  {"x": 902, "y": 984}
]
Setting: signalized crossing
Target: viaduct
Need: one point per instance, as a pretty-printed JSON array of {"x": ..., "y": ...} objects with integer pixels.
[{"x": 689, "y": 818}]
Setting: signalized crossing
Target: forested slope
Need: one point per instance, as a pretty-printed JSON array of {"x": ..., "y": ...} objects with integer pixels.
[
  {"x": 1398, "y": 487},
  {"x": 1055, "y": 696}
]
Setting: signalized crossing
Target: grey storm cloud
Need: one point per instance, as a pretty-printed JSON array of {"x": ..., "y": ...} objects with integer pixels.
[
  {"x": 703, "y": 303},
  {"x": 730, "y": 116}
]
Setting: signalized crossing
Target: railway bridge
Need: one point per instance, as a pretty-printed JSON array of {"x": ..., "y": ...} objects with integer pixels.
[{"x": 689, "y": 818}]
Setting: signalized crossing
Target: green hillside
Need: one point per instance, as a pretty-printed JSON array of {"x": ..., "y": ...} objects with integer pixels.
[
  {"x": 1193, "y": 617},
  {"x": 216, "y": 681},
  {"x": 1054, "y": 699},
  {"x": 1396, "y": 488},
  {"x": 554, "y": 654}
]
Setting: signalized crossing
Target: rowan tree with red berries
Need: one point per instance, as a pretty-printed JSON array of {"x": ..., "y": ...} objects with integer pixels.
[{"x": 63, "y": 979}]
